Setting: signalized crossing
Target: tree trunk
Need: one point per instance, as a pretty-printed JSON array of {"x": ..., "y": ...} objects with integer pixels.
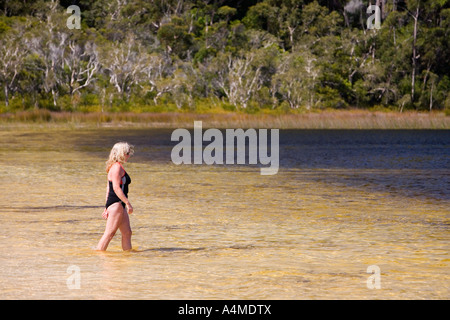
[
  {"x": 414, "y": 56},
  {"x": 431, "y": 97},
  {"x": 54, "y": 95},
  {"x": 6, "y": 95},
  {"x": 291, "y": 35}
]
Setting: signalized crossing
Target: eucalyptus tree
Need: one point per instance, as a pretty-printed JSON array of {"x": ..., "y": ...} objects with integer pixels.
[
  {"x": 12, "y": 56},
  {"x": 124, "y": 63}
]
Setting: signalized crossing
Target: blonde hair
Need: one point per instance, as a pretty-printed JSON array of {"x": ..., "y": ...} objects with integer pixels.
[{"x": 118, "y": 153}]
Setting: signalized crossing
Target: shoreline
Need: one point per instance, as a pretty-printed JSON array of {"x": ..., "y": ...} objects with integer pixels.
[{"x": 335, "y": 119}]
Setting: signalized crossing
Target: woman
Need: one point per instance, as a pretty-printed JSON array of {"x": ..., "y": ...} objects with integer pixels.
[{"x": 117, "y": 207}]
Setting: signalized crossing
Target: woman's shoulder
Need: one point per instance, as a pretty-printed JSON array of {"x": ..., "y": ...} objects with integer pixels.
[
  {"x": 117, "y": 164},
  {"x": 116, "y": 168}
]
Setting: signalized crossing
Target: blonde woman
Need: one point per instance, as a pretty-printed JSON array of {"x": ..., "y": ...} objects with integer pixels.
[{"x": 117, "y": 207}]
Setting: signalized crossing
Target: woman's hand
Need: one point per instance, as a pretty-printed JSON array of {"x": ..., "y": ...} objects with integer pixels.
[
  {"x": 105, "y": 214},
  {"x": 129, "y": 208}
]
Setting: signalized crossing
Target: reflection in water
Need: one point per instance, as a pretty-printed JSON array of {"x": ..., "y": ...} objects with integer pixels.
[{"x": 342, "y": 201}]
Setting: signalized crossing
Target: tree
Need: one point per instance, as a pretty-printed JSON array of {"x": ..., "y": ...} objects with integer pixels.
[
  {"x": 263, "y": 16},
  {"x": 158, "y": 72},
  {"x": 237, "y": 77},
  {"x": 415, "y": 16},
  {"x": 175, "y": 39},
  {"x": 80, "y": 65},
  {"x": 12, "y": 56},
  {"x": 296, "y": 79},
  {"x": 49, "y": 48},
  {"x": 289, "y": 20},
  {"x": 124, "y": 63}
]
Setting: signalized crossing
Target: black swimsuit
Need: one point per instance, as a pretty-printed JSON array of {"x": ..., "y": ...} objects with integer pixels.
[{"x": 112, "y": 196}]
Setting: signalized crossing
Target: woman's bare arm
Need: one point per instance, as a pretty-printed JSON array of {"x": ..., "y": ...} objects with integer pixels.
[{"x": 107, "y": 190}]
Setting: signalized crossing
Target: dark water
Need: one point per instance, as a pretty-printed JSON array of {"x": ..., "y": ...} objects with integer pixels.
[
  {"x": 413, "y": 163},
  {"x": 410, "y": 162},
  {"x": 368, "y": 149}
]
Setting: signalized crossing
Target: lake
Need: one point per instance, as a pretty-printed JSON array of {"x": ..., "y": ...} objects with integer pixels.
[{"x": 343, "y": 202}]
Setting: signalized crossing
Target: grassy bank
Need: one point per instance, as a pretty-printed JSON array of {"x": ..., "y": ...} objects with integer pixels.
[{"x": 345, "y": 119}]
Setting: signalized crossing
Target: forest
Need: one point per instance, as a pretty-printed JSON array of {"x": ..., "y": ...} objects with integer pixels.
[{"x": 209, "y": 55}]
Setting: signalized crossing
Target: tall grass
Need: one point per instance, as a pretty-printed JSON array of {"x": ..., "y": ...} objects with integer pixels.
[{"x": 346, "y": 119}]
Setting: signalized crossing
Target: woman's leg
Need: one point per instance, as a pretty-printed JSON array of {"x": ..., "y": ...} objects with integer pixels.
[
  {"x": 125, "y": 230},
  {"x": 115, "y": 217}
]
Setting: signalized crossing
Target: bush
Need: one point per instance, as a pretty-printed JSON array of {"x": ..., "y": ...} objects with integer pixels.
[{"x": 447, "y": 105}]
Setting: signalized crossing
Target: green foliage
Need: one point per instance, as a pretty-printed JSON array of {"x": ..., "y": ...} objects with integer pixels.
[{"x": 215, "y": 56}]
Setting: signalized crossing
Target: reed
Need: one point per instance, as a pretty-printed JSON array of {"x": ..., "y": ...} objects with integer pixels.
[{"x": 345, "y": 119}]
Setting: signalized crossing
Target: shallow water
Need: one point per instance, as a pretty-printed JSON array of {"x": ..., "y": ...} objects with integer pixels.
[{"x": 342, "y": 201}]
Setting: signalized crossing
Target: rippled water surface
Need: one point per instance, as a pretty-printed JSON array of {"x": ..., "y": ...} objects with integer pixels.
[{"x": 342, "y": 201}]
